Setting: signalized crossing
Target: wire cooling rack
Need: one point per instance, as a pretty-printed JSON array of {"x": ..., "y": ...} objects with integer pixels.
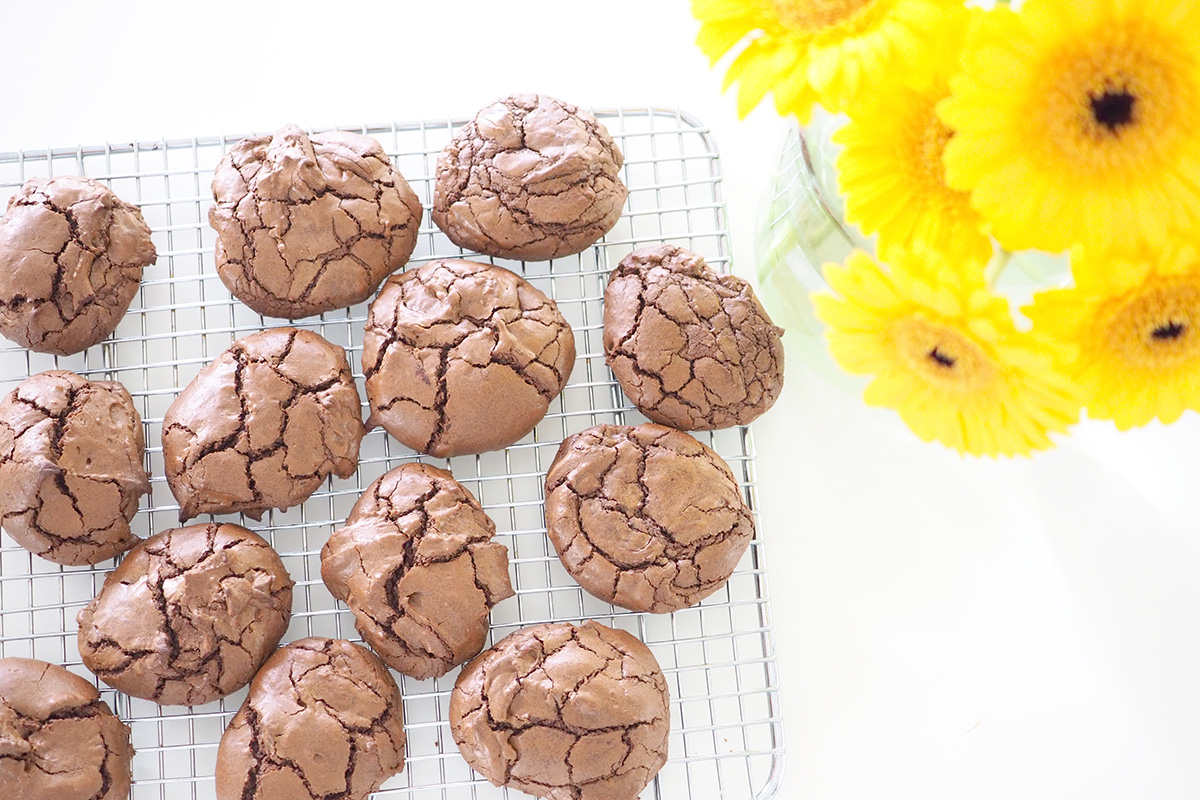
[{"x": 719, "y": 657}]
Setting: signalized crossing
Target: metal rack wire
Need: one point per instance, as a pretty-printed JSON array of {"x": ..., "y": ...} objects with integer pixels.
[{"x": 719, "y": 657}]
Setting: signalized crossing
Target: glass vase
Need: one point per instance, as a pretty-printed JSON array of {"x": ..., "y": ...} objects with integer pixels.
[{"x": 802, "y": 227}]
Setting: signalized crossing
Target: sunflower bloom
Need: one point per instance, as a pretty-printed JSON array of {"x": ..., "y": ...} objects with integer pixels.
[
  {"x": 890, "y": 169},
  {"x": 1134, "y": 323},
  {"x": 810, "y": 50},
  {"x": 945, "y": 354},
  {"x": 1078, "y": 121}
]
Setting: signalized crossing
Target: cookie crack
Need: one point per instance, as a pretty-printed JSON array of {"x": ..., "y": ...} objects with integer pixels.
[{"x": 439, "y": 400}]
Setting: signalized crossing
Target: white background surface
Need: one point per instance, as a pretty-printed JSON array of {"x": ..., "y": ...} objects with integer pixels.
[{"x": 945, "y": 627}]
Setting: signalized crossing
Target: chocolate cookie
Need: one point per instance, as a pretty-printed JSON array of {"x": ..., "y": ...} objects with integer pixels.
[
  {"x": 71, "y": 259},
  {"x": 565, "y": 712},
  {"x": 530, "y": 177},
  {"x": 462, "y": 357},
  {"x": 417, "y": 565},
  {"x": 692, "y": 349},
  {"x": 309, "y": 224},
  {"x": 58, "y": 739},
  {"x": 71, "y": 470},
  {"x": 323, "y": 720},
  {"x": 189, "y": 616},
  {"x": 645, "y": 517},
  {"x": 262, "y": 426}
]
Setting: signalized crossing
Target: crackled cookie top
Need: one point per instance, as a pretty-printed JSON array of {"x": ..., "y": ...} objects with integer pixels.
[
  {"x": 417, "y": 565},
  {"x": 71, "y": 259},
  {"x": 565, "y": 712},
  {"x": 58, "y": 739},
  {"x": 645, "y": 517},
  {"x": 309, "y": 224},
  {"x": 692, "y": 349},
  {"x": 71, "y": 470},
  {"x": 188, "y": 616},
  {"x": 262, "y": 426},
  {"x": 323, "y": 721},
  {"x": 530, "y": 177},
  {"x": 462, "y": 357}
]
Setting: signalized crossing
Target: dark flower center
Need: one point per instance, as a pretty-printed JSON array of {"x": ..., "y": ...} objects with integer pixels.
[
  {"x": 1170, "y": 331},
  {"x": 943, "y": 360},
  {"x": 1113, "y": 109}
]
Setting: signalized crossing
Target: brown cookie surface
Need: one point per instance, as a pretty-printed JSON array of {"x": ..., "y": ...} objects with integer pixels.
[
  {"x": 189, "y": 616},
  {"x": 322, "y": 721},
  {"x": 567, "y": 712},
  {"x": 309, "y": 224},
  {"x": 417, "y": 565},
  {"x": 645, "y": 517},
  {"x": 262, "y": 426},
  {"x": 58, "y": 739},
  {"x": 692, "y": 349},
  {"x": 530, "y": 177},
  {"x": 462, "y": 357},
  {"x": 71, "y": 454},
  {"x": 71, "y": 259}
]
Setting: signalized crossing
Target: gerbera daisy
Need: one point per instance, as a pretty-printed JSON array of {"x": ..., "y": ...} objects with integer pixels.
[
  {"x": 810, "y": 49},
  {"x": 1134, "y": 322},
  {"x": 1078, "y": 121},
  {"x": 944, "y": 352},
  {"x": 891, "y": 171}
]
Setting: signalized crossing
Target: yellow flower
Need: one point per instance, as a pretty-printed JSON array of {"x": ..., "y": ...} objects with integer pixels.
[
  {"x": 944, "y": 352},
  {"x": 1078, "y": 121},
  {"x": 891, "y": 171},
  {"x": 1134, "y": 323},
  {"x": 809, "y": 49}
]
